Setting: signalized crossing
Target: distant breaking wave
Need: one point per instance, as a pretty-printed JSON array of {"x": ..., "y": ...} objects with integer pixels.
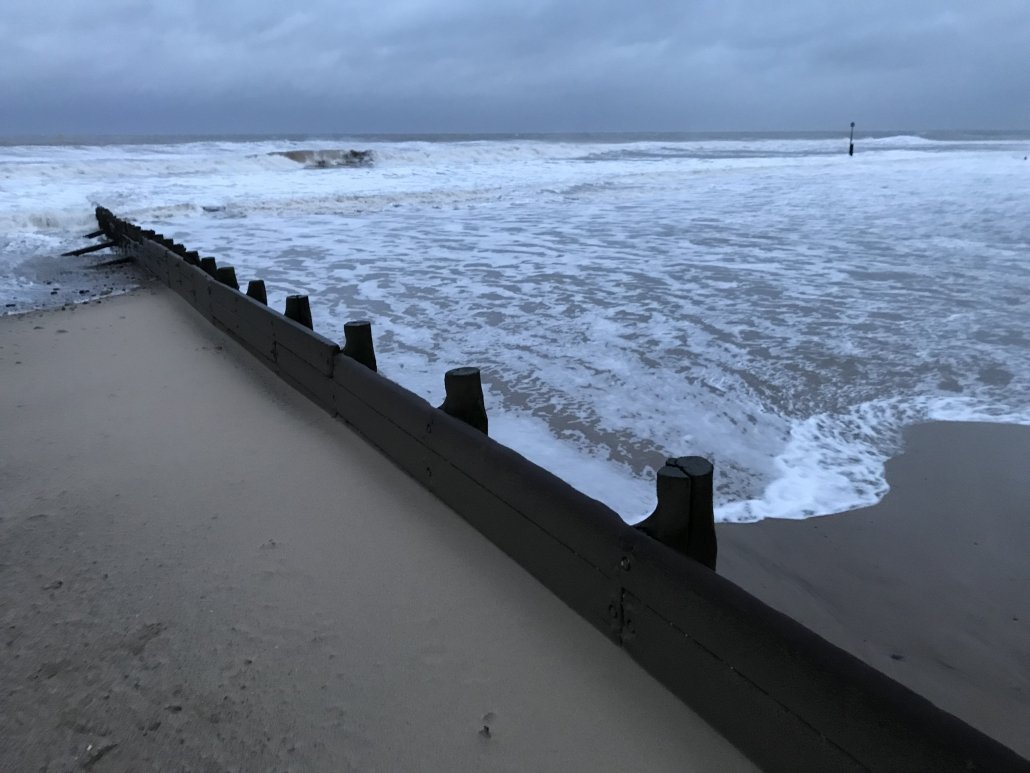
[{"x": 327, "y": 159}]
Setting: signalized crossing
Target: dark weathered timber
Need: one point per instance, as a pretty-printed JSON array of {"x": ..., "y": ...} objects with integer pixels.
[
  {"x": 371, "y": 391},
  {"x": 590, "y": 589},
  {"x": 835, "y": 696},
  {"x": 256, "y": 290},
  {"x": 588, "y": 525},
  {"x": 223, "y": 303},
  {"x": 684, "y": 518},
  {"x": 179, "y": 281},
  {"x": 87, "y": 250},
  {"x": 305, "y": 378},
  {"x": 112, "y": 262},
  {"x": 94, "y": 234},
  {"x": 227, "y": 276},
  {"x": 464, "y": 397},
  {"x": 316, "y": 350},
  {"x": 700, "y": 678},
  {"x": 256, "y": 327},
  {"x": 701, "y": 541},
  {"x": 357, "y": 336},
  {"x": 397, "y": 440},
  {"x": 670, "y": 521},
  {"x": 299, "y": 310},
  {"x": 201, "y": 281}
]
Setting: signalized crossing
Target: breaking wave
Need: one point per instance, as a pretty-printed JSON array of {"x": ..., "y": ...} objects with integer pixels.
[
  {"x": 759, "y": 300},
  {"x": 328, "y": 158}
]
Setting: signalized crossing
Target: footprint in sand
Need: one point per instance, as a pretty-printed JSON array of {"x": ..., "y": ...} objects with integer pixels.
[{"x": 488, "y": 720}]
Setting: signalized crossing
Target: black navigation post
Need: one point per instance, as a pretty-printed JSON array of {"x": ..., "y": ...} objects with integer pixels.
[{"x": 851, "y": 142}]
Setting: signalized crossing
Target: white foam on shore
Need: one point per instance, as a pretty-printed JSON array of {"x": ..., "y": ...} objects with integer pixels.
[{"x": 830, "y": 460}]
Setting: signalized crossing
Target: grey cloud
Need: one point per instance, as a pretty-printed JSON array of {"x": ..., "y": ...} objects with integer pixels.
[{"x": 454, "y": 65}]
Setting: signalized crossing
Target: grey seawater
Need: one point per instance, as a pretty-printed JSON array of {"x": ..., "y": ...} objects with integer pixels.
[
  {"x": 762, "y": 300},
  {"x": 786, "y": 315}
]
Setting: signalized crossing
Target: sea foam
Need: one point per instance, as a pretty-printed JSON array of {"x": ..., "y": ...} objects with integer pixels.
[{"x": 766, "y": 302}]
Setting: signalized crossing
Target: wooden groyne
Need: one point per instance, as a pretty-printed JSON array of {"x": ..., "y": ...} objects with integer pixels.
[{"x": 787, "y": 698}]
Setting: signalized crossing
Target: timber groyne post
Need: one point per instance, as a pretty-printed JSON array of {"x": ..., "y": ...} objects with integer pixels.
[
  {"x": 298, "y": 308},
  {"x": 357, "y": 337},
  {"x": 685, "y": 516},
  {"x": 256, "y": 290},
  {"x": 227, "y": 276},
  {"x": 464, "y": 397}
]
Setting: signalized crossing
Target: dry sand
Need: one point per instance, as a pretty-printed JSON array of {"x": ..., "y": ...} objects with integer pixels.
[
  {"x": 931, "y": 586},
  {"x": 199, "y": 570}
]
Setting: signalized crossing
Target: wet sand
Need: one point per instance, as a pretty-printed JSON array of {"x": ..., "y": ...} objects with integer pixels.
[
  {"x": 199, "y": 570},
  {"x": 931, "y": 586},
  {"x": 47, "y": 282}
]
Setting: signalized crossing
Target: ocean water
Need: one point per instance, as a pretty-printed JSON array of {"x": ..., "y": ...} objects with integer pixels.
[{"x": 765, "y": 301}]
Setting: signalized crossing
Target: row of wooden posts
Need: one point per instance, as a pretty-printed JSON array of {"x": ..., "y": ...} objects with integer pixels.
[
  {"x": 684, "y": 516},
  {"x": 463, "y": 387}
]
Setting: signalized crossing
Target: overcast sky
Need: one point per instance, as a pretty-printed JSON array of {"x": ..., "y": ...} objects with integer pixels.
[{"x": 254, "y": 66}]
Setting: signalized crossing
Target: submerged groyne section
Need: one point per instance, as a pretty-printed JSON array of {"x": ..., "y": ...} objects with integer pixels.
[{"x": 787, "y": 698}]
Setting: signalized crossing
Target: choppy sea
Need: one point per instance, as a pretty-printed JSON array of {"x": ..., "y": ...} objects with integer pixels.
[{"x": 762, "y": 300}]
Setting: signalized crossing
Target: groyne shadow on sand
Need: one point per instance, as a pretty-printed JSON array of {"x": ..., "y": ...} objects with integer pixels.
[{"x": 784, "y": 696}]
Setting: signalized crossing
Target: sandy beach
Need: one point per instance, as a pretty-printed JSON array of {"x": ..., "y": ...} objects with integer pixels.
[
  {"x": 931, "y": 586},
  {"x": 199, "y": 570}
]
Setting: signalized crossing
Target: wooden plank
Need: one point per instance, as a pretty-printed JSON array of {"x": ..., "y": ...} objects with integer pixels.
[
  {"x": 877, "y": 720},
  {"x": 87, "y": 250},
  {"x": 569, "y": 574},
  {"x": 201, "y": 294},
  {"x": 255, "y": 326},
  {"x": 314, "y": 384},
  {"x": 595, "y": 530},
  {"x": 775, "y": 739},
  {"x": 381, "y": 431},
  {"x": 577, "y": 581},
  {"x": 316, "y": 350},
  {"x": 187, "y": 287},
  {"x": 224, "y": 302},
  {"x": 403, "y": 407},
  {"x": 154, "y": 262},
  {"x": 177, "y": 279}
]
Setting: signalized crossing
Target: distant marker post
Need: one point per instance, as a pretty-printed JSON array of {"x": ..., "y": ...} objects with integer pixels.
[{"x": 851, "y": 142}]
